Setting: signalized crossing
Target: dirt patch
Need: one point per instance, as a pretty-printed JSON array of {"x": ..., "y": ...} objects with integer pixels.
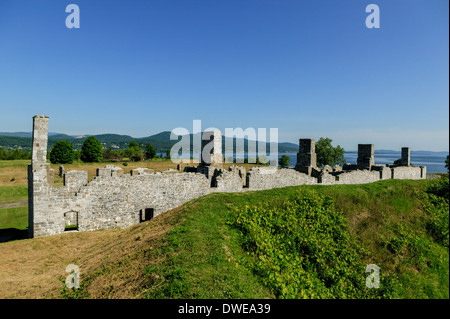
[
  {"x": 16, "y": 204},
  {"x": 112, "y": 260}
]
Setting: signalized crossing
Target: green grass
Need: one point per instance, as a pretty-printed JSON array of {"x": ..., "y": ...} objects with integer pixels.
[
  {"x": 14, "y": 163},
  {"x": 392, "y": 224},
  {"x": 13, "y": 193},
  {"x": 382, "y": 223},
  {"x": 16, "y": 217},
  {"x": 13, "y": 221},
  {"x": 199, "y": 259}
]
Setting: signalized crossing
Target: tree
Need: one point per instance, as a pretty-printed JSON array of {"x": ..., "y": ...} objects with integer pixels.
[
  {"x": 284, "y": 161},
  {"x": 133, "y": 152},
  {"x": 167, "y": 154},
  {"x": 77, "y": 154},
  {"x": 91, "y": 151},
  {"x": 111, "y": 155},
  {"x": 62, "y": 153},
  {"x": 327, "y": 154},
  {"x": 447, "y": 164},
  {"x": 150, "y": 151}
]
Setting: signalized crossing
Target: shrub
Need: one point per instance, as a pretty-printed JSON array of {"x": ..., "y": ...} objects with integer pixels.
[
  {"x": 133, "y": 152},
  {"x": 150, "y": 151},
  {"x": 91, "y": 151},
  {"x": 327, "y": 154},
  {"x": 62, "y": 153},
  {"x": 284, "y": 161},
  {"x": 447, "y": 164},
  {"x": 303, "y": 249},
  {"x": 437, "y": 209}
]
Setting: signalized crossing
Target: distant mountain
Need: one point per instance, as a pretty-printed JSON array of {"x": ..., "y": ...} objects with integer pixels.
[
  {"x": 287, "y": 147},
  {"x": 15, "y": 142},
  {"x": 160, "y": 141},
  {"x": 30, "y": 134},
  {"x": 16, "y": 134}
]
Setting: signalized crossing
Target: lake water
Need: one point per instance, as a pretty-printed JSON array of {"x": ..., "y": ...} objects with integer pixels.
[{"x": 434, "y": 161}]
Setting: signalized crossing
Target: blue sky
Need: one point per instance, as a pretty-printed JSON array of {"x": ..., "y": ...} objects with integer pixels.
[{"x": 309, "y": 68}]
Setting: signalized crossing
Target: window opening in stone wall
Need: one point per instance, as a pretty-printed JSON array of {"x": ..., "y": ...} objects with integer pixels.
[
  {"x": 146, "y": 214},
  {"x": 71, "y": 221}
]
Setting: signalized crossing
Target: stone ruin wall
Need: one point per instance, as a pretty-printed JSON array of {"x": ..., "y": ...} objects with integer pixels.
[{"x": 113, "y": 199}]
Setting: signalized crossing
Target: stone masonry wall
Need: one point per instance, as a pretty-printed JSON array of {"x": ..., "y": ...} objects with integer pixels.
[
  {"x": 113, "y": 199},
  {"x": 259, "y": 178},
  {"x": 411, "y": 172}
]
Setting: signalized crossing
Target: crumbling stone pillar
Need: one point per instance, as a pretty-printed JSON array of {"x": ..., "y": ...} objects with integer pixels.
[
  {"x": 406, "y": 156},
  {"x": 40, "y": 139},
  {"x": 39, "y": 170},
  {"x": 212, "y": 148},
  {"x": 365, "y": 156},
  {"x": 306, "y": 156}
]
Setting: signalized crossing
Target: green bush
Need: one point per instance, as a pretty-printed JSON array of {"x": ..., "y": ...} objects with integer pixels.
[
  {"x": 150, "y": 151},
  {"x": 14, "y": 154},
  {"x": 91, "y": 151},
  {"x": 437, "y": 209},
  {"x": 327, "y": 154},
  {"x": 303, "y": 249},
  {"x": 284, "y": 161},
  {"x": 133, "y": 152},
  {"x": 62, "y": 153}
]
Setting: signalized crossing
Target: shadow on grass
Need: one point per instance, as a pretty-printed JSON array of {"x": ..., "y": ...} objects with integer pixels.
[{"x": 9, "y": 234}]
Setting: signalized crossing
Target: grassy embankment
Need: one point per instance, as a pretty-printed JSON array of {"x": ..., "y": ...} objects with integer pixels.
[{"x": 307, "y": 241}]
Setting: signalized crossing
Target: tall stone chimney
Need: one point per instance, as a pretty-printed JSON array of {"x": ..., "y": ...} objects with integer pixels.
[
  {"x": 306, "y": 156},
  {"x": 40, "y": 174},
  {"x": 406, "y": 156},
  {"x": 212, "y": 148},
  {"x": 366, "y": 156}
]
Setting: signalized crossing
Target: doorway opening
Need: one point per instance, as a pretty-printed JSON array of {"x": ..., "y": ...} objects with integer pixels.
[{"x": 146, "y": 214}]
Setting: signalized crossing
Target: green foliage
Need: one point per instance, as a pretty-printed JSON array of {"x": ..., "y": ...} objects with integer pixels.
[
  {"x": 303, "y": 249},
  {"x": 327, "y": 154},
  {"x": 398, "y": 161},
  {"x": 437, "y": 209},
  {"x": 77, "y": 155},
  {"x": 167, "y": 154},
  {"x": 91, "y": 151},
  {"x": 133, "y": 152},
  {"x": 447, "y": 164},
  {"x": 62, "y": 153},
  {"x": 150, "y": 151},
  {"x": 284, "y": 161},
  {"x": 133, "y": 144},
  {"x": 13, "y": 142},
  {"x": 14, "y": 154},
  {"x": 112, "y": 155}
]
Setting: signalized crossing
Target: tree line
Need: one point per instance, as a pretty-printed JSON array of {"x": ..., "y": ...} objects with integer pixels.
[
  {"x": 92, "y": 152},
  {"x": 15, "y": 154}
]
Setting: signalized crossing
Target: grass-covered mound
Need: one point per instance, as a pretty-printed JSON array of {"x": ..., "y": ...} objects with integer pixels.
[
  {"x": 308, "y": 242},
  {"x": 293, "y": 242}
]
